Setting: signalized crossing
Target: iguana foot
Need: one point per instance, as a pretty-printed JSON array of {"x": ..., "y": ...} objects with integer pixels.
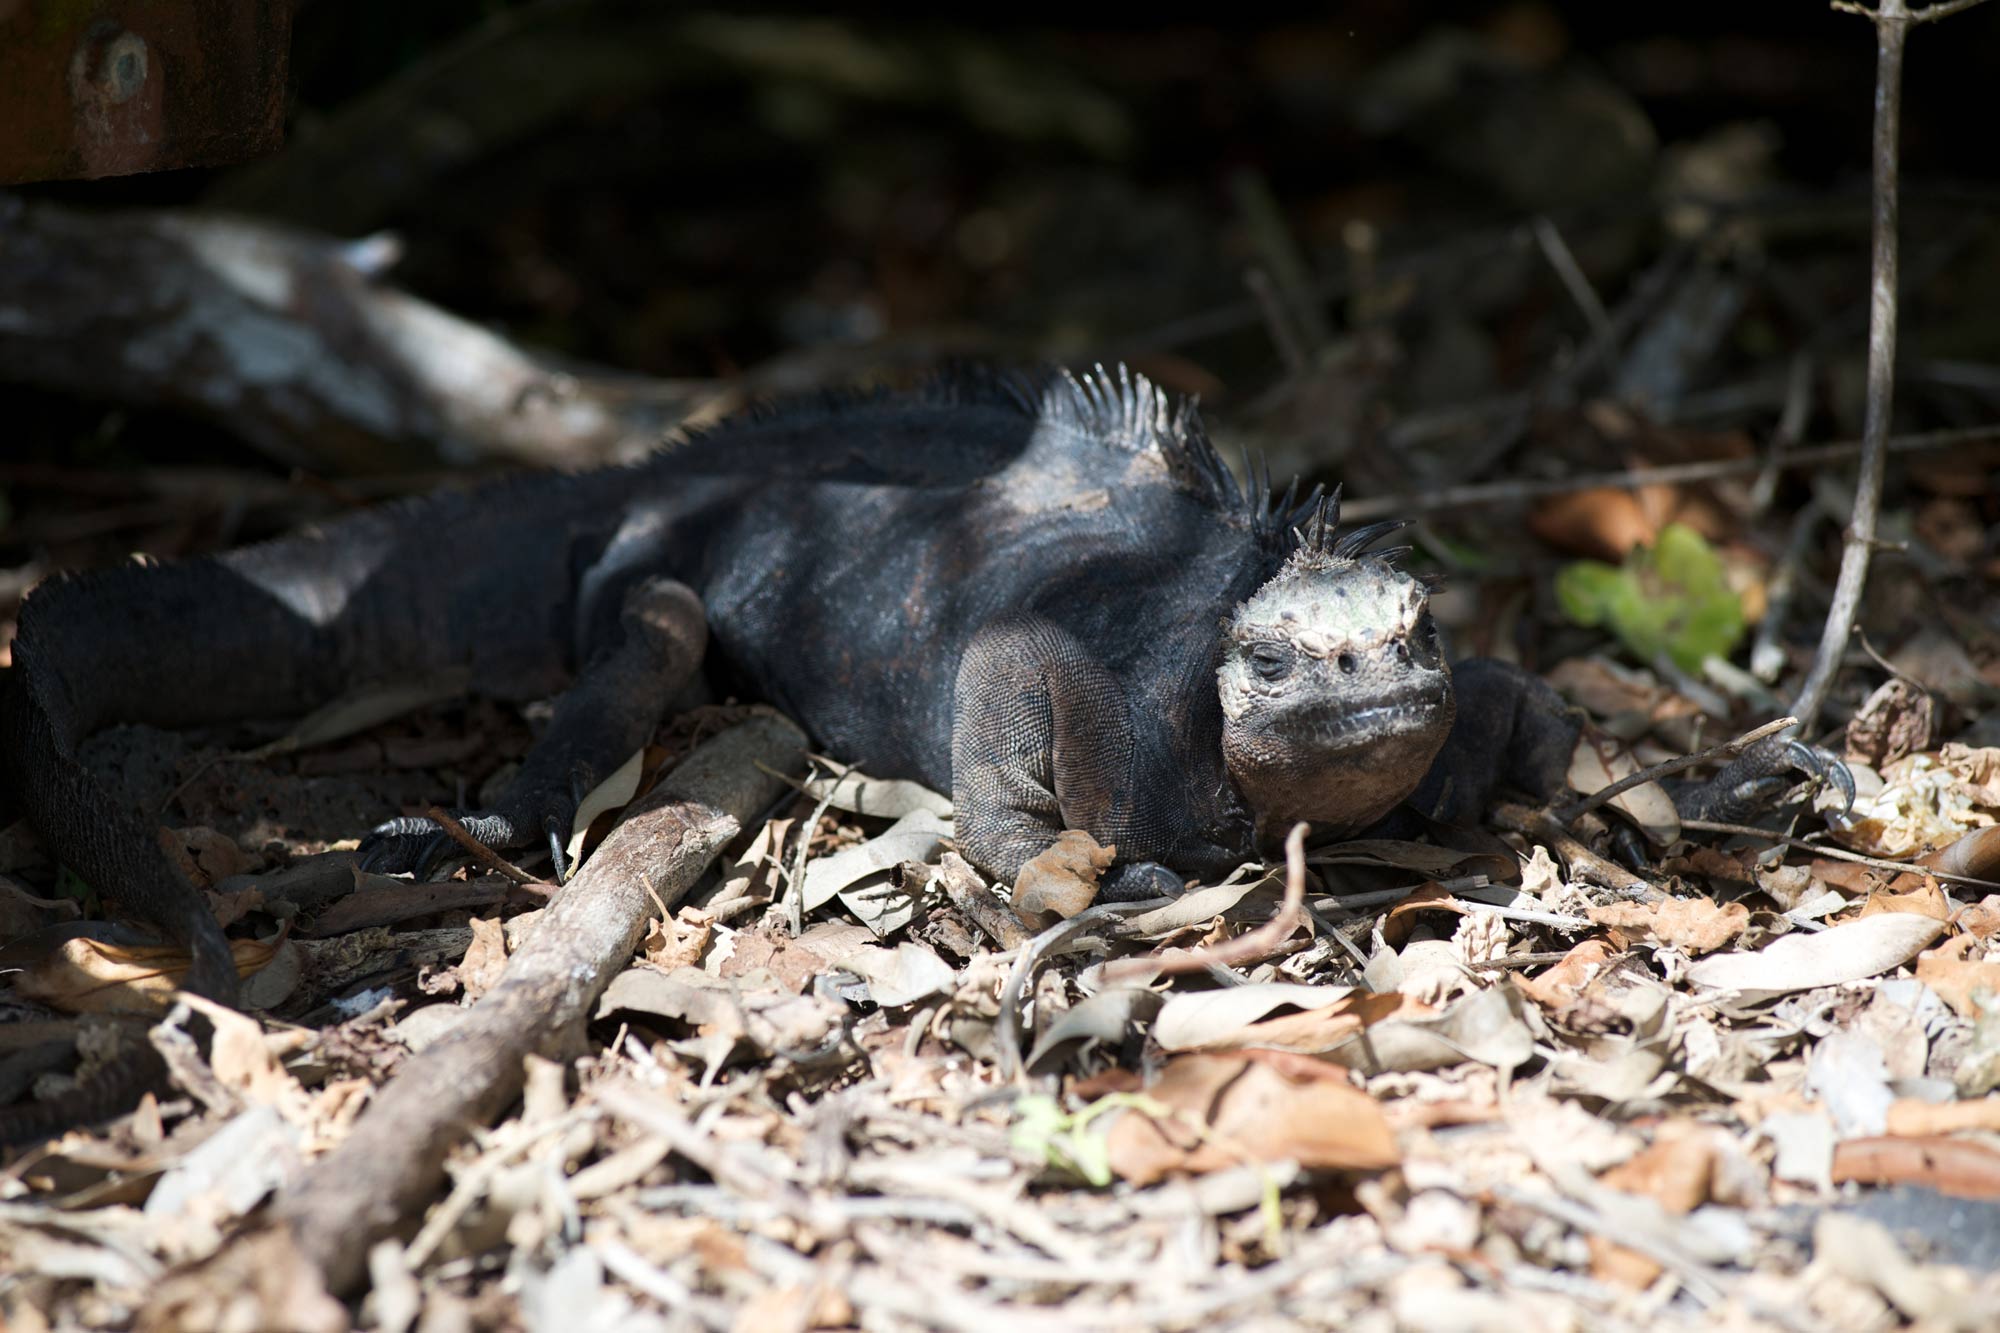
[
  {"x": 414, "y": 844},
  {"x": 1755, "y": 780},
  {"x": 1138, "y": 882}
]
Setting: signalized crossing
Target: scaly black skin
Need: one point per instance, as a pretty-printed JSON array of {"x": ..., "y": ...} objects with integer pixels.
[{"x": 1047, "y": 596}]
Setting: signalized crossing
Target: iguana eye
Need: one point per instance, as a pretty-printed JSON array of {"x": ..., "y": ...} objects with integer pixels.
[
  {"x": 1427, "y": 633},
  {"x": 1270, "y": 661}
]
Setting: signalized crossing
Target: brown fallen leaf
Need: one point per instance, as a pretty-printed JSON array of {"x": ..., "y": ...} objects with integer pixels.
[
  {"x": 1957, "y": 1167},
  {"x": 1225, "y": 1110},
  {"x": 1677, "y": 1172},
  {"x": 1900, "y": 718},
  {"x": 1600, "y": 759},
  {"x": 1696, "y": 925},
  {"x": 1604, "y": 523},
  {"x": 248, "y": 1065},
  {"x": 1401, "y": 919},
  {"x": 678, "y": 941},
  {"x": 1061, "y": 881},
  {"x": 485, "y": 958},
  {"x": 203, "y": 855},
  {"x": 1316, "y": 1030},
  {"x": 1850, "y": 877},
  {"x": 1957, "y": 978},
  {"x": 1909, "y": 893},
  {"x": 86, "y": 976},
  {"x": 1556, "y": 988}
]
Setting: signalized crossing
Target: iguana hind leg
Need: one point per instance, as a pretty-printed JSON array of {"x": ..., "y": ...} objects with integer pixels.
[
  {"x": 1514, "y": 731},
  {"x": 1752, "y": 782},
  {"x": 608, "y": 712}
]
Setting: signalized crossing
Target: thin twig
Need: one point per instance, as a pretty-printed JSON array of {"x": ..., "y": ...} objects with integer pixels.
[
  {"x": 1667, "y": 768},
  {"x": 1556, "y": 250},
  {"x": 1835, "y": 853},
  {"x": 478, "y": 850},
  {"x": 1892, "y": 22},
  {"x": 1249, "y": 947},
  {"x": 1672, "y": 474}
]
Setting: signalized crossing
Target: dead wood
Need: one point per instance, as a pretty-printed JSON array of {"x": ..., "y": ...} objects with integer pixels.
[
  {"x": 291, "y": 341},
  {"x": 381, "y": 1177}
]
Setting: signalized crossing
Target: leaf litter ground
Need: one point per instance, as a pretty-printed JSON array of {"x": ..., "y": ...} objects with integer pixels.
[{"x": 1470, "y": 1088}]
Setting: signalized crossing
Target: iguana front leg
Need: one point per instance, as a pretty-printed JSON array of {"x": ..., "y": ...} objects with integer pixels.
[
  {"x": 1042, "y": 741},
  {"x": 608, "y": 712}
]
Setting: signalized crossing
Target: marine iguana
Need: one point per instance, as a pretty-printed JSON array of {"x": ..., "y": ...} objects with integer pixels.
[{"x": 1047, "y": 595}]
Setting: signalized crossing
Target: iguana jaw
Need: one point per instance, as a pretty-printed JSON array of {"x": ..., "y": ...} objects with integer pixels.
[{"x": 1335, "y": 696}]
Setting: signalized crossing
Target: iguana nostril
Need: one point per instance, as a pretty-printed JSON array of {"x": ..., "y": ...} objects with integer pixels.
[{"x": 1347, "y": 663}]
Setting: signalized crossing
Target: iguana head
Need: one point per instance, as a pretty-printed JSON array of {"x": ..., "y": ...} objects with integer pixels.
[{"x": 1335, "y": 693}]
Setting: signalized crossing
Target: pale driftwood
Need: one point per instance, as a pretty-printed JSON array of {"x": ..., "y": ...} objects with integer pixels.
[
  {"x": 292, "y": 342},
  {"x": 393, "y": 1163}
]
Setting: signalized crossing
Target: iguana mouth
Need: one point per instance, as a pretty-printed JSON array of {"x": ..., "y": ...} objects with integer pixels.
[{"x": 1334, "y": 726}]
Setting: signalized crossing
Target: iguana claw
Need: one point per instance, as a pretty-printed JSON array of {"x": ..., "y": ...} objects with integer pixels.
[
  {"x": 1749, "y": 783},
  {"x": 1826, "y": 767},
  {"x": 558, "y": 855}
]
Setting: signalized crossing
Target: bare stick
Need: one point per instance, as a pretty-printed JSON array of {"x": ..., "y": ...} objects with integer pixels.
[
  {"x": 1892, "y": 22},
  {"x": 975, "y": 899},
  {"x": 1556, "y": 250},
  {"x": 393, "y": 1162},
  {"x": 1672, "y": 474},
  {"x": 1568, "y": 812},
  {"x": 1249, "y": 947},
  {"x": 476, "y": 849}
]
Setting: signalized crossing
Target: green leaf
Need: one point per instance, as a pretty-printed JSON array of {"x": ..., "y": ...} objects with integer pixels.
[{"x": 1672, "y": 598}]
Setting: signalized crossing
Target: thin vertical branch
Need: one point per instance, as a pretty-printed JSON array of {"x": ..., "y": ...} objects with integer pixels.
[{"x": 1892, "y": 24}]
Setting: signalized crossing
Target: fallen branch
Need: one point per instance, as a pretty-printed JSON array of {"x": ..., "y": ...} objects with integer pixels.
[
  {"x": 291, "y": 341},
  {"x": 393, "y": 1162}
]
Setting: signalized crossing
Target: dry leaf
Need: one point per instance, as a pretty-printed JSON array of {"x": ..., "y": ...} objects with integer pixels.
[
  {"x": 1556, "y": 988},
  {"x": 851, "y": 790},
  {"x": 915, "y": 837},
  {"x": 678, "y": 941},
  {"x": 1676, "y": 1172},
  {"x": 246, "y": 1064},
  {"x": 1921, "y": 897},
  {"x": 204, "y": 856},
  {"x": 902, "y": 975},
  {"x": 1224, "y": 1111},
  {"x": 1958, "y": 979},
  {"x": 485, "y": 958},
  {"x": 1851, "y": 951},
  {"x": 614, "y": 793},
  {"x": 1693, "y": 925},
  {"x": 86, "y": 976},
  {"x": 1061, "y": 881},
  {"x": 1490, "y": 1026},
  {"x": 1981, "y": 918},
  {"x": 1196, "y": 1019},
  {"x": 1599, "y": 760},
  {"x": 1898, "y": 719}
]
